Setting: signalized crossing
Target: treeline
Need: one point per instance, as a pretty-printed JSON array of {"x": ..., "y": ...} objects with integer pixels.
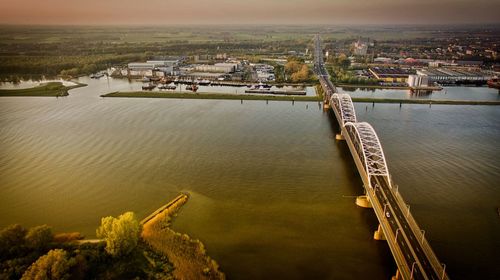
[
  {"x": 62, "y": 65},
  {"x": 52, "y": 52},
  {"x": 38, "y": 253},
  {"x": 297, "y": 71},
  {"x": 341, "y": 73}
]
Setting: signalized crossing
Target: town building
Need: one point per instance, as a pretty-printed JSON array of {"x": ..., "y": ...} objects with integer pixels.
[{"x": 360, "y": 47}]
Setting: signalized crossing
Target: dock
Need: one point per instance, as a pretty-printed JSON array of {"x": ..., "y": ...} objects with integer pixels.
[{"x": 180, "y": 198}]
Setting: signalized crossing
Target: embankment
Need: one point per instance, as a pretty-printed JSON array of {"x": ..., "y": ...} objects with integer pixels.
[
  {"x": 188, "y": 256},
  {"x": 52, "y": 89},
  {"x": 203, "y": 95}
]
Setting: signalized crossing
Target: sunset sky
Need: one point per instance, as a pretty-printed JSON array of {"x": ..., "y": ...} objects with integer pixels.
[{"x": 133, "y": 12}]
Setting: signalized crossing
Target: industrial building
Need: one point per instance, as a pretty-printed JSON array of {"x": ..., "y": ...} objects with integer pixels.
[
  {"x": 156, "y": 67},
  {"x": 418, "y": 81},
  {"x": 452, "y": 76},
  {"x": 148, "y": 69},
  {"x": 217, "y": 68},
  {"x": 390, "y": 74}
]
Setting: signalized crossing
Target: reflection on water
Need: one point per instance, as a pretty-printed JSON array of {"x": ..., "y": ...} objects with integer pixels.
[
  {"x": 136, "y": 85},
  {"x": 448, "y": 93},
  {"x": 31, "y": 83},
  {"x": 271, "y": 188}
]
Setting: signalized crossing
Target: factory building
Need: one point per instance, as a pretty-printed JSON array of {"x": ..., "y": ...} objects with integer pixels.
[
  {"x": 148, "y": 69},
  {"x": 447, "y": 75},
  {"x": 418, "y": 80},
  {"x": 218, "y": 68},
  {"x": 390, "y": 75}
]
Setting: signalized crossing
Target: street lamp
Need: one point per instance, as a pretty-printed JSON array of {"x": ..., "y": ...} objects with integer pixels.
[
  {"x": 412, "y": 270},
  {"x": 396, "y": 237},
  {"x": 444, "y": 268},
  {"x": 408, "y": 212},
  {"x": 423, "y": 235}
]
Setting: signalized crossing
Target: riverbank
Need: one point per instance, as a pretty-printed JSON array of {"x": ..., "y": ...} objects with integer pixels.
[
  {"x": 50, "y": 89},
  {"x": 188, "y": 256},
  {"x": 204, "y": 95},
  {"x": 424, "y": 101},
  {"x": 179, "y": 95}
]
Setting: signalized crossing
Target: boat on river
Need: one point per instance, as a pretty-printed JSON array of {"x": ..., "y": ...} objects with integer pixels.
[
  {"x": 148, "y": 87},
  {"x": 192, "y": 87}
]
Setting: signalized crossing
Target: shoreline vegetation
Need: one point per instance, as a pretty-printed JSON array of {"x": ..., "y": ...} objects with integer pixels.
[
  {"x": 50, "y": 89},
  {"x": 188, "y": 256},
  {"x": 126, "y": 249},
  {"x": 318, "y": 98}
]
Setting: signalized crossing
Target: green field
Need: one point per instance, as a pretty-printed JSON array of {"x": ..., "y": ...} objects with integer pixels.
[{"x": 54, "y": 89}]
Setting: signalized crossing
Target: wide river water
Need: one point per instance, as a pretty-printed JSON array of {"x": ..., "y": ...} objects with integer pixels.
[{"x": 271, "y": 189}]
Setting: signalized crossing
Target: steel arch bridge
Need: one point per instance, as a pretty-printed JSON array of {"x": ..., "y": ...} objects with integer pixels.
[
  {"x": 368, "y": 148},
  {"x": 342, "y": 103},
  {"x": 412, "y": 252}
]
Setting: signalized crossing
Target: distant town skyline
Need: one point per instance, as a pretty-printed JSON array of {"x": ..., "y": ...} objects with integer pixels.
[{"x": 159, "y": 12}]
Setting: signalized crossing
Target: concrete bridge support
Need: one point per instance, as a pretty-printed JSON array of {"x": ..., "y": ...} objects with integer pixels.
[
  {"x": 397, "y": 276},
  {"x": 379, "y": 234},
  {"x": 339, "y": 136},
  {"x": 363, "y": 201}
]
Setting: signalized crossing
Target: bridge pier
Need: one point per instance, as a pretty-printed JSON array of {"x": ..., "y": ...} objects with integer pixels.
[
  {"x": 379, "y": 234},
  {"x": 363, "y": 201},
  {"x": 339, "y": 136},
  {"x": 397, "y": 276}
]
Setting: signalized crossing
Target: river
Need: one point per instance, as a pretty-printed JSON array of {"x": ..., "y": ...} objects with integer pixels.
[{"x": 271, "y": 189}]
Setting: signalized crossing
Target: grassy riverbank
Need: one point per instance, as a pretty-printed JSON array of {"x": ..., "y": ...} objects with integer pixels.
[
  {"x": 53, "y": 89},
  {"x": 188, "y": 256},
  {"x": 424, "y": 101},
  {"x": 203, "y": 95}
]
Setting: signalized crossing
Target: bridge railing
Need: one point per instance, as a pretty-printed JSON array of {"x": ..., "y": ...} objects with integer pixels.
[
  {"x": 397, "y": 253},
  {"x": 390, "y": 236},
  {"x": 438, "y": 266}
]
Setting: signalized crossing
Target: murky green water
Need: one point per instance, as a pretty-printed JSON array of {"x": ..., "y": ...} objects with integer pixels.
[{"x": 270, "y": 185}]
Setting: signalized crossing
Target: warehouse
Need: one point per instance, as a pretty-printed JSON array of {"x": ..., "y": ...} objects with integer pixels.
[{"x": 390, "y": 74}]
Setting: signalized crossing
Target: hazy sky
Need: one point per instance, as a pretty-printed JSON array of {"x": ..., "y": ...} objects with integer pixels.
[{"x": 248, "y": 11}]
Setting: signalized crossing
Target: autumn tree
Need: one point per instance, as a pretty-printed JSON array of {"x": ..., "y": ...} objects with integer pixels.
[
  {"x": 292, "y": 66},
  {"x": 39, "y": 237},
  {"x": 301, "y": 75},
  {"x": 54, "y": 265},
  {"x": 121, "y": 234},
  {"x": 11, "y": 240}
]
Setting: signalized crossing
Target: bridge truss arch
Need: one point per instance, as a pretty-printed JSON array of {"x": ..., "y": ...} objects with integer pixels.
[
  {"x": 368, "y": 148},
  {"x": 342, "y": 102}
]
